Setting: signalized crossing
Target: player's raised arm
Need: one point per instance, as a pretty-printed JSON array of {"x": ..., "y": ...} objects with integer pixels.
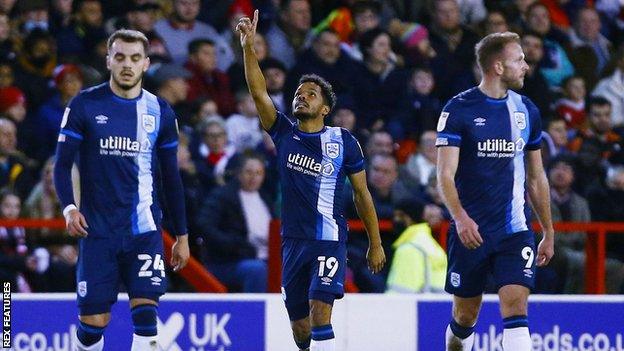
[
  {"x": 253, "y": 74},
  {"x": 539, "y": 193},
  {"x": 366, "y": 211},
  {"x": 467, "y": 229}
]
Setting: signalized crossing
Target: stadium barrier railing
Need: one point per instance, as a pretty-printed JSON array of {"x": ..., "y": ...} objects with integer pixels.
[
  {"x": 194, "y": 273},
  {"x": 203, "y": 281}
]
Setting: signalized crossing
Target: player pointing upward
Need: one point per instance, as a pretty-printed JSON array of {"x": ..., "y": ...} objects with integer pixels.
[
  {"x": 313, "y": 161},
  {"x": 488, "y": 157},
  {"x": 122, "y": 134}
]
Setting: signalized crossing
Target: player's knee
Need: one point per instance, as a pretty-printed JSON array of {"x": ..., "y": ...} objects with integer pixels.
[
  {"x": 466, "y": 315},
  {"x": 144, "y": 319},
  {"x": 90, "y": 330},
  {"x": 97, "y": 320},
  {"x": 514, "y": 306}
]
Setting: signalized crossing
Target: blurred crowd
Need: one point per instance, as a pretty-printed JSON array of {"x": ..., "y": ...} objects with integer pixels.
[{"x": 393, "y": 65}]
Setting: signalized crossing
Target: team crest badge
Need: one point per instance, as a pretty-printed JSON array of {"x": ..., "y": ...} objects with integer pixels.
[
  {"x": 149, "y": 123},
  {"x": 455, "y": 279},
  {"x": 332, "y": 149},
  {"x": 520, "y": 118},
  {"x": 82, "y": 288}
]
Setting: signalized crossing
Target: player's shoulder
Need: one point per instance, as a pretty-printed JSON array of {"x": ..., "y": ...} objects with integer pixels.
[
  {"x": 465, "y": 99},
  {"x": 96, "y": 92}
]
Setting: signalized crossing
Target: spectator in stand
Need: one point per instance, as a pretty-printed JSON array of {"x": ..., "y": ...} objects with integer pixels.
[
  {"x": 535, "y": 85},
  {"x": 612, "y": 88},
  {"x": 586, "y": 33},
  {"x": 15, "y": 168},
  {"x": 274, "y": 73},
  {"x": 7, "y": 79},
  {"x": 567, "y": 205},
  {"x": 35, "y": 65},
  {"x": 60, "y": 250},
  {"x": 554, "y": 140},
  {"x": 571, "y": 107},
  {"x": 379, "y": 142},
  {"x": 344, "y": 117},
  {"x": 237, "y": 249},
  {"x": 243, "y": 128},
  {"x": 419, "y": 264},
  {"x": 31, "y": 14},
  {"x": 606, "y": 201},
  {"x": 87, "y": 28},
  {"x": 291, "y": 34},
  {"x": 183, "y": 27},
  {"x": 454, "y": 45},
  {"x": 555, "y": 65},
  {"x": 15, "y": 263},
  {"x": 142, "y": 17},
  {"x": 13, "y": 104},
  {"x": 60, "y": 15},
  {"x": 170, "y": 83},
  {"x": 424, "y": 107},
  {"x": 495, "y": 22},
  {"x": 7, "y": 43},
  {"x": 214, "y": 157},
  {"x": 68, "y": 83},
  {"x": 207, "y": 80},
  {"x": 417, "y": 170},
  {"x": 599, "y": 145},
  {"x": 381, "y": 85},
  {"x": 325, "y": 59}
]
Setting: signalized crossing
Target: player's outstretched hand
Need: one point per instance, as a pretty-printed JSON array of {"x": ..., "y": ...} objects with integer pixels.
[
  {"x": 468, "y": 232},
  {"x": 76, "y": 224},
  {"x": 545, "y": 251},
  {"x": 180, "y": 253},
  {"x": 376, "y": 258},
  {"x": 247, "y": 29}
]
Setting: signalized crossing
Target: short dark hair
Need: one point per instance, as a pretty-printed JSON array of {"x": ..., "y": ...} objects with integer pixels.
[
  {"x": 196, "y": 44},
  {"x": 488, "y": 48},
  {"x": 368, "y": 38},
  {"x": 326, "y": 89},
  {"x": 412, "y": 207},
  {"x": 364, "y": 5},
  {"x": 129, "y": 36},
  {"x": 597, "y": 101}
]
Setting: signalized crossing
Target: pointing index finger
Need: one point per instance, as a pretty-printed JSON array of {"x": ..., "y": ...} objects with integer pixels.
[{"x": 255, "y": 20}]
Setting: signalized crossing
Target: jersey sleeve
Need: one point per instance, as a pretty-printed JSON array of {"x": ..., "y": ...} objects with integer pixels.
[
  {"x": 73, "y": 122},
  {"x": 353, "y": 155},
  {"x": 449, "y": 126},
  {"x": 281, "y": 127},
  {"x": 168, "y": 135},
  {"x": 535, "y": 120}
]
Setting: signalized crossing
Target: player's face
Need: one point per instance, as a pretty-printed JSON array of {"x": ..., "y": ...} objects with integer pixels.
[
  {"x": 308, "y": 102},
  {"x": 127, "y": 63},
  {"x": 514, "y": 66}
]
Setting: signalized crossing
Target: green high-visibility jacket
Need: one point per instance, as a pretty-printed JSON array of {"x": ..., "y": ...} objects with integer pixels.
[{"x": 419, "y": 263}]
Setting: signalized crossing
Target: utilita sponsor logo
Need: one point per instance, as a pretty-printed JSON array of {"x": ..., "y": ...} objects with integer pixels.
[
  {"x": 500, "y": 145},
  {"x": 123, "y": 146},
  {"x": 305, "y": 162}
]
